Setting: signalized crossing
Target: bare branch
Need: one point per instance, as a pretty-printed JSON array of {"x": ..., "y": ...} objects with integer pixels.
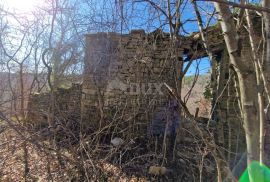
[{"x": 245, "y": 6}]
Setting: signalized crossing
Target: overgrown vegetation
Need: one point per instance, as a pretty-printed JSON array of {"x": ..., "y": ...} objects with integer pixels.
[{"x": 198, "y": 129}]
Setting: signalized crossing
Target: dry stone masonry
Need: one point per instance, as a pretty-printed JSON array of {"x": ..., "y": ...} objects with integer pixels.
[
  {"x": 125, "y": 73},
  {"x": 123, "y": 81},
  {"x": 67, "y": 105}
]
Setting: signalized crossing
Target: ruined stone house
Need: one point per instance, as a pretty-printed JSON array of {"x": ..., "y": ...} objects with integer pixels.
[{"x": 123, "y": 80}]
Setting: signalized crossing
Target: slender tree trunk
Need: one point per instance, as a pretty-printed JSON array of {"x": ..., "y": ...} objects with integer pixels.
[
  {"x": 22, "y": 118},
  {"x": 178, "y": 61},
  {"x": 266, "y": 18},
  {"x": 254, "y": 42},
  {"x": 243, "y": 65},
  {"x": 266, "y": 62}
]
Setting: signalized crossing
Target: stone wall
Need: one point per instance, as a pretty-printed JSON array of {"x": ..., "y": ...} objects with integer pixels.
[
  {"x": 124, "y": 75},
  {"x": 123, "y": 78},
  {"x": 227, "y": 114},
  {"x": 67, "y": 106}
]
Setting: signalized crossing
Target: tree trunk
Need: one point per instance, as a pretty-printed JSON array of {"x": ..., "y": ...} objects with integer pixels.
[
  {"x": 266, "y": 18},
  {"x": 254, "y": 42},
  {"x": 243, "y": 65},
  {"x": 266, "y": 63}
]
